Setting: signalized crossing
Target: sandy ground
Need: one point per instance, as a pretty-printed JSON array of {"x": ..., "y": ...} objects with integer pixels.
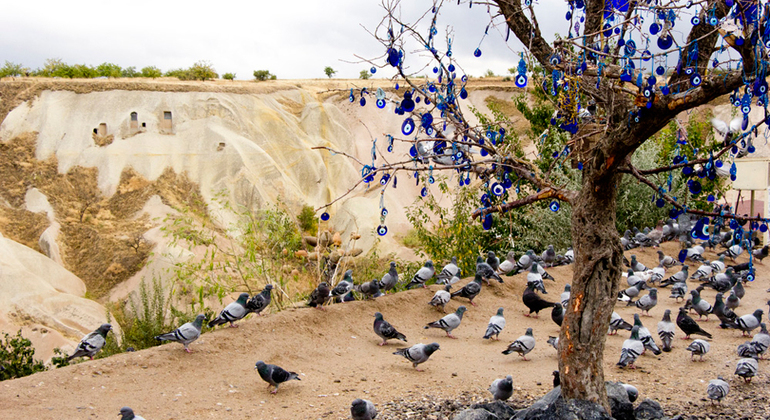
[{"x": 336, "y": 353}]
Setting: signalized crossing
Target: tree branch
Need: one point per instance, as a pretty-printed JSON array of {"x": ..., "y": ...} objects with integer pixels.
[{"x": 548, "y": 193}]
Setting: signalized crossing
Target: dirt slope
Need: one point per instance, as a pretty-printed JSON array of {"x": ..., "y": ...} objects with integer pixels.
[{"x": 336, "y": 353}]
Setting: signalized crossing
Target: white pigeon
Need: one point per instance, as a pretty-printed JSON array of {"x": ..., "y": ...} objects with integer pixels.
[
  {"x": 441, "y": 298},
  {"x": 449, "y": 272},
  {"x": 496, "y": 324},
  {"x": 724, "y": 130},
  {"x": 508, "y": 264}
]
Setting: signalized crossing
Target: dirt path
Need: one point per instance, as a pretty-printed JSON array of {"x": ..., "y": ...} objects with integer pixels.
[{"x": 336, "y": 353}]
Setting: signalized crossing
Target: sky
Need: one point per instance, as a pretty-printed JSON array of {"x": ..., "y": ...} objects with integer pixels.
[{"x": 293, "y": 40}]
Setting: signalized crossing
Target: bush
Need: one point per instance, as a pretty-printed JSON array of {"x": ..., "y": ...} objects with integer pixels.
[
  {"x": 13, "y": 69},
  {"x": 17, "y": 357},
  {"x": 364, "y": 75},
  {"x": 228, "y": 76},
  {"x": 181, "y": 74},
  {"x": 262, "y": 75},
  {"x": 202, "y": 70},
  {"x": 130, "y": 72},
  {"x": 329, "y": 72},
  {"x": 151, "y": 71},
  {"x": 109, "y": 70},
  {"x": 308, "y": 222}
]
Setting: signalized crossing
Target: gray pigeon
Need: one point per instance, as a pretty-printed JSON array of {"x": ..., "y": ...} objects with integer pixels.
[
  {"x": 441, "y": 298},
  {"x": 679, "y": 277},
  {"x": 274, "y": 375},
  {"x": 449, "y": 272},
  {"x": 565, "y": 295},
  {"x": 319, "y": 296},
  {"x": 717, "y": 389},
  {"x": 666, "y": 330},
  {"x": 678, "y": 290},
  {"x": 486, "y": 271},
  {"x": 701, "y": 306},
  {"x": 496, "y": 324},
  {"x": 617, "y": 323},
  {"x": 698, "y": 347},
  {"x": 470, "y": 290},
  {"x": 185, "y": 334},
  {"x": 761, "y": 340},
  {"x": 666, "y": 261},
  {"x": 502, "y": 389},
  {"x": 449, "y": 322},
  {"x": 386, "y": 331},
  {"x": 631, "y": 292},
  {"x": 548, "y": 256},
  {"x": 508, "y": 265},
  {"x": 422, "y": 275},
  {"x": 631, "y": 350},
  {"x": 126, "y": 413},
  {"x": 390, "y": 278},
  {"x": 645, "y": 336},
  {"x": 747, "y": 368},
  {"x": 232, "y": 312},
  {"x": 636, "y": 265},
  {"x": 493, "y": 261},
  {"x": 369, "y": 289},
  {"x": 535, "y": 278},
  {"x": 748, "y": 323},
  {"x": 645, "y": 303},
  {"x": 632, "y": 392},
  {"x": 733, "y": 301},
  {"x": 553, "y": 341},
  {"x": 524, "y": 262},
  {"x": 344, "y": 286},
  {"x": 362, "y": 410},
  {"x": 92, "y": 343},
  {"x": 522, "y": 345},
  {"x": 738, "y": 289},
  {"x": 418, "y": 353},
  {"x": 259, "y": 302}
]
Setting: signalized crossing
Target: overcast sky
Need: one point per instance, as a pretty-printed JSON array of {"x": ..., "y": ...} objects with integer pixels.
[{"x": 292, "y": 39}]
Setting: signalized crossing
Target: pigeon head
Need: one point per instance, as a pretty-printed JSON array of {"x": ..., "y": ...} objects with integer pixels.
[
  {"x": 323, "y": 284},
  {"x": 393, "y": 264},
  {"x": 349, "y": 276},
  {"x": 630, "y": 272},
  {"x": 637, "y": 320},
  {"x": 635, "y": 332},
  {"x": 199, "y": 320},
  {"x": 126, "y": 413},
  {"x": 448, "y": 287},
  {"x": 530, "y": 252},
  {"x": 633, "y": 259},
  {"x": 478, "y": 278},
  {"x": 667, "y": 315},
  {"x": 529, "y": 332},
  {"x": 429, "y": 264},
  {"x": 479, "y": 259},
  {"x": 104, "y": 329},
  {"x": 432, "y": 347},
  {"x": 654, "y": 292},
  {"x": 511, "y": 256},
  {"x": 499, "y": 311},
  {"x": 260, "y": 365},
  {"x": 491, "y": 254},
  {"x": 718, "y": 298},
  {"x": 358, "y": 407},
  {"x": 567, "y": 288},
  {"x": 243, "y": 298},
  {"x": 660, "y": 254},
  {"x": 378, "y": 316},
  {"x": 758, "y": 314},
  {"x": 533, "y": 268},
  {"x": 462, "y": 309},
  {"x": 268, "y": 288}
]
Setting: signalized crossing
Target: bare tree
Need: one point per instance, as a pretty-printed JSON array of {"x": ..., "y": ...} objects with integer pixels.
[{"x": 593, "y": 67}]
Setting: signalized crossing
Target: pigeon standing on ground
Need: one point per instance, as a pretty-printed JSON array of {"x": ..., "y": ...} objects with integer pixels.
[
  {"x": 732, "y": 301},
  {"x": 657, "y": 274},
  {"x": 232, "y": 312},
  {"x": 548, "y": 256},
  {"x": 185, "y": 334},
  {"x": 418, "y": 353},
  {"x": 126, "y": 413},
  {"x": 390, "y": 278},
  {"x": 688, "y": 325},
  {"x": 422, "y": 275},
  {"x": 666, "y": 261},
  {"x": 362, "y": 410},
  {"x": 679, "y": 277},
  {"x": 92, "y": 343},
  {"x": 260, "y": 301},
  {"x": 632, "y": 279},
  {"x": 496, "y": 324},
  {"x": 486, "y": 271},
  {"x": 534, "y": 302},
  {"x": 631, "y": 292},
  {"x": 631, "y": 350},
  {"x": 508, "y": 265},
  {"x": 617, "y": 323},
  {"x": 441, "y": 298},
  {"x": 645, "y": 336},
  {"x": 386, "y": 331},
  {"x": 747, "y": 368},
  {"x": 502, "y": 389},
  {"x": 274, "y": 375},
  {"x": 666, "y": 331},
  {"x": 645, "y": 303},
  {"x": 748, "y": 323},
  {"x": 636, "y": 265},
  {"x": 535, "y": 278},
  {"x": 761, "y": 253},
  {"x": 717, "y": 389},
  {"x": 449, "y": 322},
  {"x": 470, "y": 290},
  {"x": 344, "y": 286},
  {"x": 320, "y": 296},
  {"x": 701, "y": 306},
  {"x": 554, "y": 342},
  {"x": 698, "y": 347},
  {"x": 524, "y": 262},
  {"x": 370, "y": 289},
  {"x": 493, "y": 261},
  {"x": 557, "y": 314},
  {"x": 565, "y": 295},
  {"x": 726, "y": 315},
  {"x": 738, "y": 289},
  {"x": 449, "y": 272},
  {"x": 678, "y": 291},
  {"x": 522, "y": 345},
  {"x": 761, "y": 340},
  {"x": 703, "y": 272}
]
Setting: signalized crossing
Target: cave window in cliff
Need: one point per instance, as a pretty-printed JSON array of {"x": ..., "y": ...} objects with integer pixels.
[
  {"x": 102, "y": 130},
  {"x": 134, "y": 121},
  {"x": 166, "y": 123}
]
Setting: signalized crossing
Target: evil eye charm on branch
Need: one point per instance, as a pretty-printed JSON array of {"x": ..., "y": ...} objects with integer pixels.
[
  {"x": 498, "y": 189},
  {"x": 701, "y": 229},
  {"x": 487, "y": 223},
  {"x": 554, "y": 206},
  {"x": 382, "y": 230},
  {"x": 424, "y": 192},
  {"x": 380, "y": 103},
  {"x": 325, "y": 216},
  {"x": 384, "y": 212},
  {"x": 407, "y": 127},
  {"x": 695, "y": 80}
]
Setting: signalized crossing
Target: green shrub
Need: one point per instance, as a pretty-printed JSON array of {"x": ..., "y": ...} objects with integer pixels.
[
  {"x": 17, "y": 357},
  {"x": 364, "y": 74},
  {"x": 109, "y": 70},
  {"x": 151, "y": 71},
  {"x": 202, "y": 70},
  {"x": 229, "y": 76},
  {"x": 13, "y": 69},
  {"x": 130, "y": 72},
  {"x": 262, "y": 75},
  {"x": 307, "y": 219},
  {"x": 330, "y": 72}
]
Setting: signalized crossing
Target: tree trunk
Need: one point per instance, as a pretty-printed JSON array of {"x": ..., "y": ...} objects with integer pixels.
[{"x": 598, "y": 256}]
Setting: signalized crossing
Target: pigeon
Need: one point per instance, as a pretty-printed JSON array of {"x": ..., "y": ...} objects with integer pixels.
[
  {"x": 701, "y": 306},
  {"x": 441, "y": 298},
  {"x": 386, "y": 331},
  {"x": 727, "y": 131},
  {"x": 703, "y": 272},
  {"x": 470, "y": 290},
  {"x": 349, "y": 297},
  {"x": 721, "y": 282},
  {"x": 390, "y": 278},
  {"x": 636, "y": 265},
  {"x": 645, "y": 336},
  {"x": 666, "y": 331},
  {"x": 449, "y": 272},
  {"x": 631, "y": 350},
  {"x": 688, "y": 325},
  {"x": 493, "y": 261},
  {"x": 422, "y": 275},
  {"x": 370, "y": 289},
  {"x": 632, "y": 279},
  {"x": 259, "y": 302},
  {"x": 522, "y": 345},
  {"x": 320, "y": 296},
  {"x": 185, "y": 334},
  {"x": 718, "y": 266},
  {"x": 508, "y": 265},
  {"x": 344, "y": 286},
  {"x": 274, "y": 375},
  {"x": 678, "y": 291},
  {"x": 554, "y": 342},
  {"x": 362, "y": 410},
  {"x": 726, "y": 315},
  {"x": 569, "y": 256},
  {"x": 761, "y": 253},
  {"x": 761, "y": 340},
  {"x": 126, "y": 413},
  {"x": 632, "y": 392},
  {"x": 748, "y": 323},
  {"x": 486, "y": 271},
  {"x": 747, "y": 349},
  {"x": 502, "y": 389},
  {"x": 679, "y": 277},
  {"x": 496, "y": 324},
  {"x": 557, "y": 314},
  {"x": 418, "y": 353},
  {"x": 733, "y": 252},
  {"x": 699, "y": 347},
  {"x": 645, "y": 303},
  {"x": 534, "y": 302},
  {"x": 666, "y": 261},
  {"x": 535, "y": 278},
  {"x": 449, "y": 322},
  {"x": 556, "y": 379},
  {"x": 747, "y": 368},
  {"x": 657, "y": 274},
  {"x": 232, "y": 312},
  {"x": 738, "y": 289},
  {"x": 565, "y": 295},
  {"x": 630, "y": 293},
  {"x": 732, "y": 301},
  {"x": 524, "y": 262},
  {"x": 92, "y": 343},
  {"x": 544, "y": 273},
  {"x": 717, "y": 389},
  {"x": 548, "y": 256},
  {"x": 617, "y": 323}
]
